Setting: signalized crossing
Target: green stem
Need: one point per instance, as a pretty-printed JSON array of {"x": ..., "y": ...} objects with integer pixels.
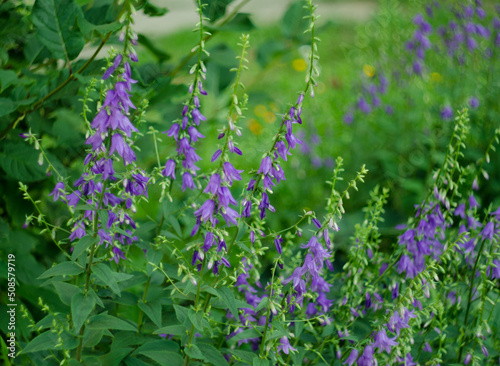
[
  {"x": 198, "y": 290},
  {"x": 471, "y": 288},
  {"x": 88, "y": 271}
]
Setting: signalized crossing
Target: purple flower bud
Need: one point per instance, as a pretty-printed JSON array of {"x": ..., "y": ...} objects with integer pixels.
[
  {"x": 187, "y": 181},
  {"x": 200, "y": 88},
  {"x": 277, "y": 243},
  {"x": 317, "y": 223},
  {"x": 252, "y": 236},
  {"x": 216, "y": 155},
  {"x": 467, "y": 359}
]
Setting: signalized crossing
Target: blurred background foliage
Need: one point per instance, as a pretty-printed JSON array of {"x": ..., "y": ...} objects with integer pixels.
[{"x": 401, "y": 146}]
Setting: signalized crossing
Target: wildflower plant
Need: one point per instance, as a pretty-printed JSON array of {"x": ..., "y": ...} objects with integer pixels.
[{"x": 183, "y": 257}]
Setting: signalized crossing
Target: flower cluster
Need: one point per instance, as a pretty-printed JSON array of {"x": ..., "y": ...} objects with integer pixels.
[
  {"x": 110, "y": 137},
  {"x": 185, "y": 130},
  {"x": 374, "y": 87}
]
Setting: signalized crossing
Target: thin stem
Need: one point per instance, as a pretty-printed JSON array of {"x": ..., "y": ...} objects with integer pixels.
[{"x": 471, "y": 288}]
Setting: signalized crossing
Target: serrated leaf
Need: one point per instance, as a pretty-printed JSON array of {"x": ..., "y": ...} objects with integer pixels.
[
  {"x": 106, "y": 275},
  {"x": 152, "y": 309},
  {"x": 212, "y": 354},
  {"x": 55, "y": 22},
  {"x": 105, "y": 321},
  {"x": 82, "y": 245},
  {"x": 227, "y": 297},
  {"x": 81, "y": 307},
  {"x": 64, "y": 268}
]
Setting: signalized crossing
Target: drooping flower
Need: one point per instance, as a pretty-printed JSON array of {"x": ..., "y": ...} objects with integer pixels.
[{"x": 285, "y": 346}]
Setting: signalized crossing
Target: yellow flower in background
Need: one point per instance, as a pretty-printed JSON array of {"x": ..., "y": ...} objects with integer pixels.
[
  {"x": 269, "y": 117},
  {"x": 254, "y": 126},
  {"x": 369, "y": 70},
  {"x": 274, "y": 107},
  {"x": 299, "y": 64},
  {"x": 436, "y": 77},
  {"x": 260, "y": 110}
]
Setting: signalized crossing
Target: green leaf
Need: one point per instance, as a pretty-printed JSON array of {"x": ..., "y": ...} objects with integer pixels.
[
  {"x": 175, "y": 225},
  {"x": 150, "y": 46},
  {"x": 246, "y": 334},
  {"x": 105, "y": 321},
  {"x": 7, "y": 78},
  {"x": 194, "y": 352},
  {"x": 132, "y": 361},
  {"x": 81, "y": 307},
  {"x": 42, "y": 342},
  {"x": 245, "y": 356},
  {"x": 88, "y": 28},
  {"x": 65, "y": 291},
  {"x": 214, "y": 9},
  {"x": 212, "y": 354},
  {"x": 177, "y": 329},
  {"x": 240, "y": 23},
  {"x": 54, "y": 21},
  {"x": 257, "y": 361},
  {"x": 181, "y": 313},
  {"x": 7, "y": 106},
  {"x": 153, "y": 10},
  {"x": 227, "y": 297},
  {"x": 153, "y": 310},
  {"x": 164, "y": 358},
  {"x": 293, "y": 23},
  {"x": 82, "y": 245},
  {"x": 264, "y": 302},
  {"x": 154, "y": 257},
  {"x": 159, "y": 345},
  {"x": 61, "y": 269},
  {"x": 106, "y": 275},
  {"x": 20, "y": 161},
  {"x": 196, "y": 319}
]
